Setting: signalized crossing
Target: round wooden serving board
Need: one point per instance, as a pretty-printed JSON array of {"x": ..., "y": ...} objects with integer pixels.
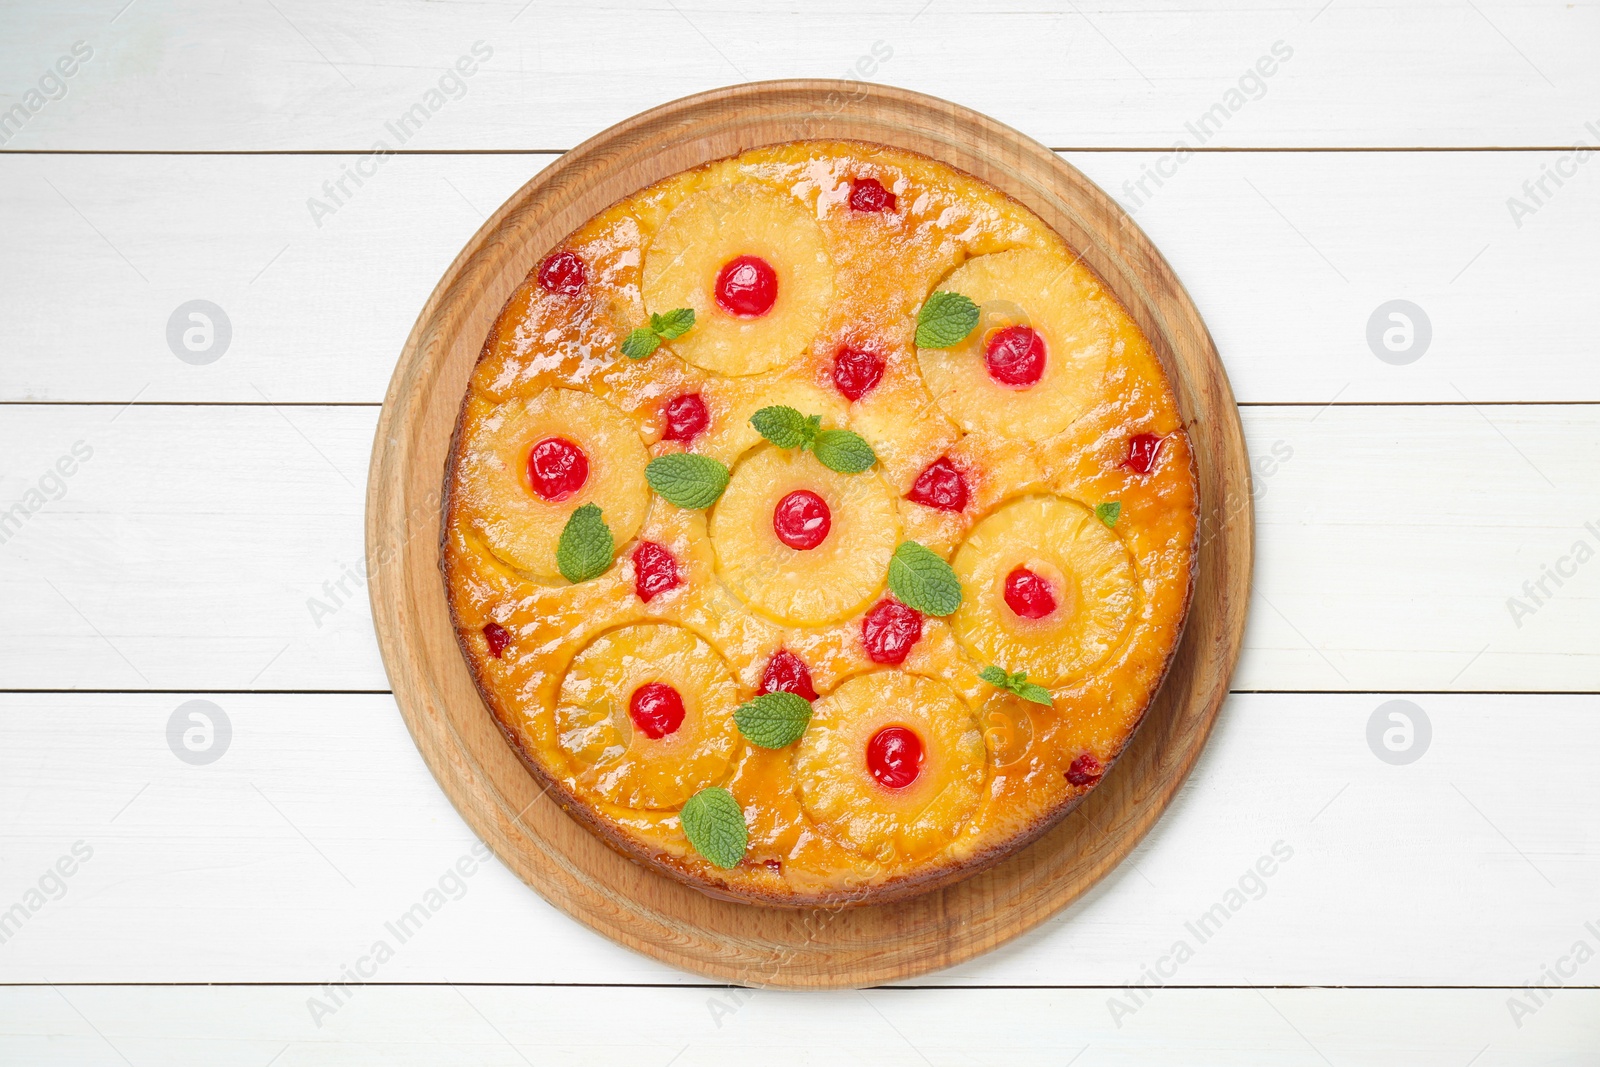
[{"x": 457, "y": 735}]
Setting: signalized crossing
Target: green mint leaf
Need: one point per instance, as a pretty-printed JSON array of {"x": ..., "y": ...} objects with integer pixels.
[
  {"x": 584, "y": 550},
  {"x": 809, "y": 430},
  {"x": 922, "y": 580},
  {"x": 995, "y": 677},
  {"x": 1036, "y": 693},
  {"x": 1017, "y": 684},
  {"x": 674, "y": 324},
  {"x": 843, "y": 451},
  {"x": 687, "y": 480},
  {"x": 640, "y": 343},
  {"x": 1108, "y": 513},
  {"x": 783, "y": 426},
  {"x": 773, "y": 720},
  {"x": 714, "y": 824},
  {"x": 945, "y": 320}
]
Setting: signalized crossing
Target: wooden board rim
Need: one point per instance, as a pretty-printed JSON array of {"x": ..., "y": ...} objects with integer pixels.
[{"x": 455, "y": 732}]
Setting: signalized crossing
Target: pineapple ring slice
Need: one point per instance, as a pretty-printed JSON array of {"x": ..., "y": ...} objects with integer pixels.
[
  {"x": 521, "y": 527},
  {"x": 813, "y": 586},
  {"x": 1061, "y": 300},
  {"x": 705, "y": 233},
  {"x": 621, "y": 764},
  {"x": 844, "y": 800},
  {"x": 1090, "y": 573}
]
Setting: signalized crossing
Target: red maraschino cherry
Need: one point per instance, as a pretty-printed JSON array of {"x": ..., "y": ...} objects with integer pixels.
[
  {"x": 497, "y": 637},
  {"x": 788, "y": 673},
  {"x": 654, "y": 571},
  {"x": 557, "y": 468},
  {"x": 802, "y": 520},
  {"x": 564, "y": 273},
  {"x": 941, "y": 486},
  {"x": 686, "y": 417},
  {"x": 856, "y": 372},
  {"x": 889, "y": 630},
  {"x": 868, "y": 194},
  {"x": 894, "y": 757},
  {"x": 1015, "y": 356},
  {"x": 656, "y": 709},
  {"x": 1143, "y": 448},
  {"x": 1085, "y": 770},
  {"x": 747, "y": 287},
  {"x": 1028, "y": 594}
]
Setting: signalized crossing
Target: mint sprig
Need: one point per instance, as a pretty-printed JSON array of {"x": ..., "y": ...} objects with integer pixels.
[
  {"x": 838, "y": 450},
  {"x": 843, "y": 451},
  {"x": 945, "y": 320},
  {"x": 687, "y": 480},
  {"x": 919, "y": 578},
  {"x": 584, "y": 550},
  {"x": 1109, "y": 512},
  {"x": 1016, "y": 683},
  {"x": 714, "y": 824},
  {"x": 773, "y": 720},
  {"x": 669, "y": 327}
]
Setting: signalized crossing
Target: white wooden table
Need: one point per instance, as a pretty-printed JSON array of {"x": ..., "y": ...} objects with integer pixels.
[{"x": 183, "y": 529}]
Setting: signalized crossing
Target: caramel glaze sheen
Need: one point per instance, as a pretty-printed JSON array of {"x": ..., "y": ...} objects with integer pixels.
[{"x": 885, "y": 266}]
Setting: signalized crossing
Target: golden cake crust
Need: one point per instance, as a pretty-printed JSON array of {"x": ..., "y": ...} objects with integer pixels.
[{"x": 884, "y": 266}]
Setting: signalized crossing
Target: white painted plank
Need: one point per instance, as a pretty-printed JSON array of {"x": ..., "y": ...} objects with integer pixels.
[
  {"x": 282, "y": 860},
  {"x": 432, "y": 1026},
  {"x": 297, "y": 75},
  {"x": 1287, "y": 255},
  {"x": 186, "y": 552}
]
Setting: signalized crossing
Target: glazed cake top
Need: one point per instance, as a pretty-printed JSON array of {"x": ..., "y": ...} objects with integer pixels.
[{"x": 1035, "y": 461}]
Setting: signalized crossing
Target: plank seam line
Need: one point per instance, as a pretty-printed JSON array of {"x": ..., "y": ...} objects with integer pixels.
[
  {"x": 1231, "y": 692},
  {"x": 711, "y": 985},
  {"x": 1099, "y": 149},
  {"x": 379, "y": 404}
]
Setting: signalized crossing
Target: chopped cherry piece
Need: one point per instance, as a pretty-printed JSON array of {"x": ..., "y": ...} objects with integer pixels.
[
  {"x": 894, "y": 757},
  {"x": 1029, "y": 595},
  {"x": 498, "y": 637},
  {"x": 656, "y": 709},
  {"x": 747, "y": 287},
  {"x": 775, "y": 866},
  {"x": 868, "y": 194},
  {"x": 564, "y": 273},
  {"x": 889, "y": 630},
  {"x": 856, "y": 372},
  {"x": 1085, "y": 770},
  {"x": 654, "y": 571},
  {"x": 1143, "y": 448},
  {"x": 941, "y": 485},
  {"x": 557, "y": 468},
  {"x": 802, "y": 520},
  {"x": 1015, "y": 356},
  {"x": 788, "y": 673},
  {"x": 686, "y": 417}
]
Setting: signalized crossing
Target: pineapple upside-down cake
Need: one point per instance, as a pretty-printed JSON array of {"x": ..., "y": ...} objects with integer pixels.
[{"x": 818, "y": 526}]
